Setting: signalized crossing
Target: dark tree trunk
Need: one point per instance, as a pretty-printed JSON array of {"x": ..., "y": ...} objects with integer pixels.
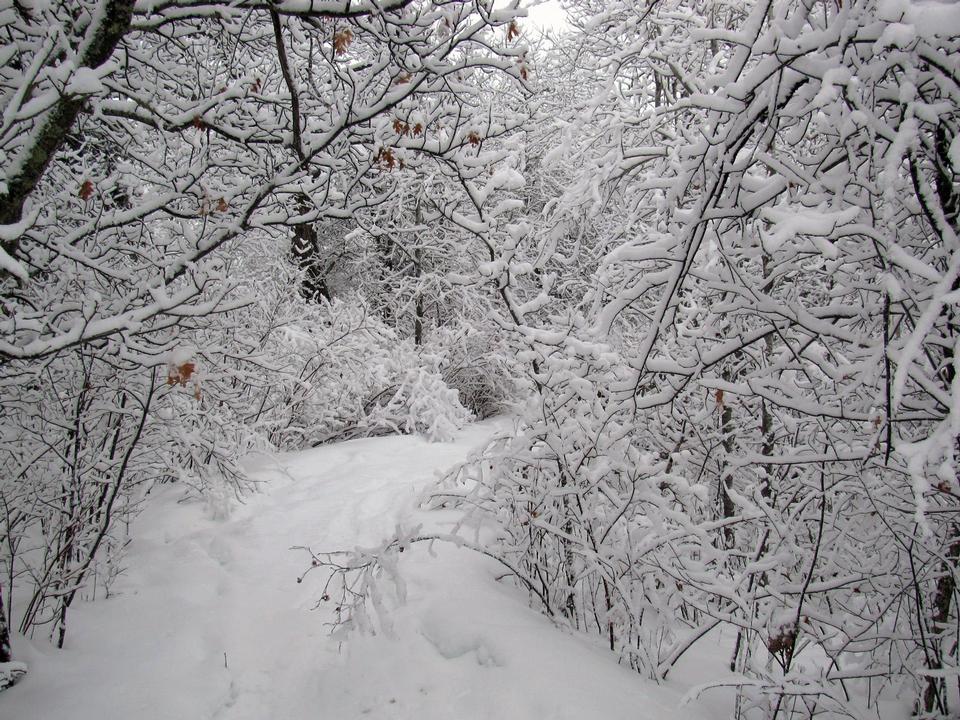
[
  {"x": 419, "y": 308},
  {"x": 6, "y": 654},
  {"x": 418, "y": 323},
  {"x": 727, "y": 507},
  {"x": 305, "y": 249},
  {"x": 935, "y": 692}
]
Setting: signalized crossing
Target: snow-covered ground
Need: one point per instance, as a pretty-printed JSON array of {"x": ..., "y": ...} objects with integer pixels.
[{"x": 210, "y": 622}]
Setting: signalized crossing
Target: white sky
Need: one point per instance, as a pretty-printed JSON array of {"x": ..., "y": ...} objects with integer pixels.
[{"x": 548, "y": 15}]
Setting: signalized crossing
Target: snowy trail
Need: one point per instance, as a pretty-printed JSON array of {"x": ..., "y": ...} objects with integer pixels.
[{"x": 209, "y": 621}]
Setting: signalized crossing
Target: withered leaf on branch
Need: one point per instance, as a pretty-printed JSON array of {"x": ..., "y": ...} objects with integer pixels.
[
  {"x": 180, "y": 374},
  {"x": 342, "y": 40},
  {"x": 386, "y": 158}
]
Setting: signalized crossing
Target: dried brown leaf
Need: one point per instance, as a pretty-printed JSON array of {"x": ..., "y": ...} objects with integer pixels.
[{"x": 342, "y": 40}]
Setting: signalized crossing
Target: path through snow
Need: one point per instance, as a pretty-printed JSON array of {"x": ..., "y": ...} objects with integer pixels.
[{"x": 208, "y": 622}]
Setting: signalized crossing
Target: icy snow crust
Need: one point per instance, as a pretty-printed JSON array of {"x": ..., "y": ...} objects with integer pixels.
[{"x": 210, "y": 622}]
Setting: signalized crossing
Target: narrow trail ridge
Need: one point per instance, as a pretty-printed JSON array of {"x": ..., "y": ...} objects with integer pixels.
[{"x": 208, "y": 621}]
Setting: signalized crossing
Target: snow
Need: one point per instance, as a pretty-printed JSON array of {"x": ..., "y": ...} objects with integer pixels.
[
  {"x": 10, "y": 673},
  {"x": 84, "y": 81},
  {"x": 180, "y": 355},
  {"x": 209, "y": 621},
  {"x": 934, "y": 18},
  {"x": 10, "y": 265},
  {"x": 897, "y": 35},
  {"x": 548, "y": 15}
]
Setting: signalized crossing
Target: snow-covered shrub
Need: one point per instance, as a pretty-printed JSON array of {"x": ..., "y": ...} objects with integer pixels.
[
  {"x": 479, "y": 365},
  {"x": 339, "y": 372},
  {"x": 578, "y": 505},
  {"x": 422, "y": 404},
  {"x": 123, "y": 223},
  {"x": 76, "y": 442},
  {"x": 10, "y": 673},
  {"x": 750, "y": 423}
]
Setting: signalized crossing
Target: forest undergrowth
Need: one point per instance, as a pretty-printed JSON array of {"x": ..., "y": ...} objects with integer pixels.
[{"x": 706, "y": 249}]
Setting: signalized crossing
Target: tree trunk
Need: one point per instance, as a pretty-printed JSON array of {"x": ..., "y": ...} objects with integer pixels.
[
  {"x": 306, "y": 251},
  {"x": 727, "y": 507},
  {"x": 935, "y": 692},
  {"x": 6, "y": 654}
]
